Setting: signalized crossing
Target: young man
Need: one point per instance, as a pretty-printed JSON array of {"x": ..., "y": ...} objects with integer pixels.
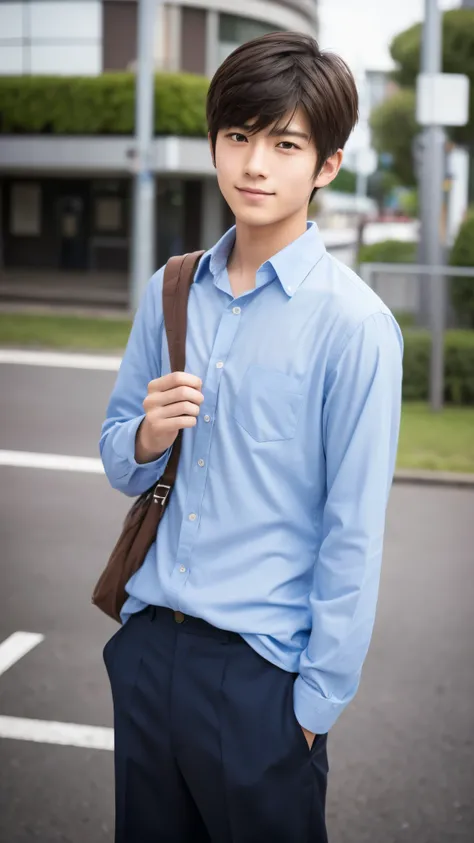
[{"x": 248, "y": 624}]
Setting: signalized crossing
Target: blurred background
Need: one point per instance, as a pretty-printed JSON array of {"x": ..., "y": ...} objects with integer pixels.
[{"x": 105, "y": 172}]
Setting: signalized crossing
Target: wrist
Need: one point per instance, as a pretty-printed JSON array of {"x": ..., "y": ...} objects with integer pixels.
[{"x": 144, "y": 450}]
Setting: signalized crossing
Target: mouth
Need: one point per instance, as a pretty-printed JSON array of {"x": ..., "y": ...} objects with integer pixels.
[{"x": 249, "y": 191}]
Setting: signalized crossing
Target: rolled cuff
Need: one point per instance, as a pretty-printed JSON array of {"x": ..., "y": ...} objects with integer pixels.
[
  {"x": 315, "y": 713},
  {"x": 124, "y": 448}
]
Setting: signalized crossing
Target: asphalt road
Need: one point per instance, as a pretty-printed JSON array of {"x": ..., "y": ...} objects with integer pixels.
[{"x": 401, "y": 756}]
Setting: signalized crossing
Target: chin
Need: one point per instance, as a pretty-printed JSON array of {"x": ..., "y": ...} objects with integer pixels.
[{"x": 256, "y": 217}]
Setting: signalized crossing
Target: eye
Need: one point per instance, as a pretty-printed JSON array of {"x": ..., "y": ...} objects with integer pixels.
[
  {"x": 288, "y": 145},
  {"x": 237, "y": 136}
]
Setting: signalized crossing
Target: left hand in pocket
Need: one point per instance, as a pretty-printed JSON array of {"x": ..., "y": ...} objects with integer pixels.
[{"x": 310, "y": 737}]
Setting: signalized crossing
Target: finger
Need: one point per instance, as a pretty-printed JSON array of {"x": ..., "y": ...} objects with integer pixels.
[
  {"x": 183, "y": 408},
  {"x": 177, "y": 423},
  {"x": 173, "y": 396},
  {"x": 181, "y": 393},
  {"x": 174, "y": 379}
]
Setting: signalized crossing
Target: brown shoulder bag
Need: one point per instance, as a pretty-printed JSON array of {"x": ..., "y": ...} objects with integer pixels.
[{"x": 143, "y": 519}]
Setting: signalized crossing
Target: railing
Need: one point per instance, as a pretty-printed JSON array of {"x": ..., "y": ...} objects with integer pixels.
[{"x": 395, "y": 297}]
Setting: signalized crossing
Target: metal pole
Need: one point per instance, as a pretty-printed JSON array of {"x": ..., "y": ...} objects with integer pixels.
[
  {"x": 143, "y": 225},
  {"x": 431, "y": 206},
  {"x": 419, "y": 151}
]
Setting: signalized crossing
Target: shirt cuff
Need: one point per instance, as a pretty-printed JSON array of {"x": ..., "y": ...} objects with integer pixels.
[
  {"x": 314, "y": 712},
  {"x": 124, "y": 447}
]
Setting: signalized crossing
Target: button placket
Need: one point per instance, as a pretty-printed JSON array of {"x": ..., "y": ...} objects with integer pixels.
[{"x": 190, "y": 528}]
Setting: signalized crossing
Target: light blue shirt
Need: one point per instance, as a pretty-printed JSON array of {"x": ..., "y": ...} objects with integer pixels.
[{"x": 275, "y": 527}]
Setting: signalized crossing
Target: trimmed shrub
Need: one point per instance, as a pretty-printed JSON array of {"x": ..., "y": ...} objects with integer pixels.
[
  {"x": 388, "y": 251},
  {"x": 100, "y": 105},
  {"x": 345, "y": 181},
  {"x": 462, "y": 289},
  {"x": 459, "y": 366}
]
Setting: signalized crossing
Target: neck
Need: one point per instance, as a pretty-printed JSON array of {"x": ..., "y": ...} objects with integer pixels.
[{"x": 256, "y": 244}]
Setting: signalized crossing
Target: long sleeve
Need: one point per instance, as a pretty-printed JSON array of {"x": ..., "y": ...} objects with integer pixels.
[
  {"x": 361, "y": 420},
  {"x": 140, "y": 364}
]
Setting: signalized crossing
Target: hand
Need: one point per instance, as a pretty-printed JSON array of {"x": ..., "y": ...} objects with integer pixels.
[
  {"x": 172, "y": 404},
  {"x": 310, "y": 737}
]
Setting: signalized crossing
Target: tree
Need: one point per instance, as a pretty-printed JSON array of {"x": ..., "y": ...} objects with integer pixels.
[
  {"x": 394, "y": 128},
  {"x": 394, "y": 122},
  {"x": 345, "y": 181},
  {"x": 380, "y": 186},
  {"x": 458, "y": 57}
]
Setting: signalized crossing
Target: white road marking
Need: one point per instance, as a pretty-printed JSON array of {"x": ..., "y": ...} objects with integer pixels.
[
  {"x": 100, "y": 362},
  {"x": 12, "y": 650},
  {"x": 49, "y": 731},
  {"x": 55, "y": 462},
  {"x": 16, "y": 646}
]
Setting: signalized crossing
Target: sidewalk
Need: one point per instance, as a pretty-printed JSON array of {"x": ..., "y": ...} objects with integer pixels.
[
  {"x": 422, "y": 477},
  {"x": 57, "y": 288}
]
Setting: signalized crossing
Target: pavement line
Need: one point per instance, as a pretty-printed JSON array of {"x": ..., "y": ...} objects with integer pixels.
[
  {"x": 16, "y": 646},
  {"x": 100, "y": 362},
  {"x": 51, "y": 732},
  {"x": 55, "y": 462}
]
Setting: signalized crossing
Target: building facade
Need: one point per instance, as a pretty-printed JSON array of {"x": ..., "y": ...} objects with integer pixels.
[{"x": 65, "y": 202}]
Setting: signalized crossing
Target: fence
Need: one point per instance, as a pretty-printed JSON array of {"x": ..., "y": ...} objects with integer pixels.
[{"x": 399, "y": 286}]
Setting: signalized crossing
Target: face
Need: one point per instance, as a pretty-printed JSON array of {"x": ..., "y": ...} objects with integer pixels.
[{"x": 269, "y": 177}]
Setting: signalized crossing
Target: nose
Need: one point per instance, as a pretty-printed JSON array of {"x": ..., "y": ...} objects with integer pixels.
[{"x": 256, "y": 163}]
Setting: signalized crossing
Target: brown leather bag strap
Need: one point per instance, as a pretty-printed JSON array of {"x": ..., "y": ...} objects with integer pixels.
[{"x": 178, "y": 277}]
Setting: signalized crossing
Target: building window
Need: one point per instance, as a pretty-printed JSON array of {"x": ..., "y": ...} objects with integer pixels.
[
  {"x": 25, "y": 210},
  {"x": 50, "y": 37},
  {"x": 119, "y": 34},
  {"x": 108, "y": 214},
  {"x": 234, "y": 31},
  {"x": 109, "y": 203}
]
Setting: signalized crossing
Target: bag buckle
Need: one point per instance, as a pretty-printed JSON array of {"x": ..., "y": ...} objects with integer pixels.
[{"x": 157, "y": 497}]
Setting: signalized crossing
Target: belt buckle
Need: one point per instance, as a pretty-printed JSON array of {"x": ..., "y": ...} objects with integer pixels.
[{"x": 157, "y": 498}]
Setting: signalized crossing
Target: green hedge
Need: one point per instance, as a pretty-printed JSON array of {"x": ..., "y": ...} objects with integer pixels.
[
  {"x": 388, "y": 251},
  {"x": 462, "y": 289},
  {"x": 100, "y": 105},
  {"x": 459, "y": 366}
]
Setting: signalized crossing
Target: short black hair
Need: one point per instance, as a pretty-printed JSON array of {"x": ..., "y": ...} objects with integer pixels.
[{"x": 271, "y": 76}]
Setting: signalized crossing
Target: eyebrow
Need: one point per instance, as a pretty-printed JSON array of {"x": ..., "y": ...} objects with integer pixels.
[
  {"x": 283, "y": 133},
  {"x": 289, "y": 133}
]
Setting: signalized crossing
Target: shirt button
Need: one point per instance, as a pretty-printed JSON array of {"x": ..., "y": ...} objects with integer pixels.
[
  {"x": 207, "y": 418},
  {"x": 219, "y": 365},
  {"x": 192, "y": 516},
  {"x": 201, "y": 463},
  {"x": 182, "y": 569},
  {"x": 236, "y": 310}
]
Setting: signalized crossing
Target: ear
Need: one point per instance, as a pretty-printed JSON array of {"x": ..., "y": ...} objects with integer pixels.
[
  {"x": 330, "y": 169},
  {"x": 210, "y": 147}
]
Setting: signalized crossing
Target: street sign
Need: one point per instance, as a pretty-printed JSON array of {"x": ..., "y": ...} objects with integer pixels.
[{"x": 442, "y": 99}]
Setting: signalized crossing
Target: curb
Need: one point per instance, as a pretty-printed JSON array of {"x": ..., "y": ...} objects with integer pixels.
[{"x": 434, "y": 478}]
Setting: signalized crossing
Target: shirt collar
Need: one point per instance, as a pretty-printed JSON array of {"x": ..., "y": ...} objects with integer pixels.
[
  {"x": 215, "y": 260},
  {"x": 291, "y": 265},
  {"x": 294, "y": 263}
]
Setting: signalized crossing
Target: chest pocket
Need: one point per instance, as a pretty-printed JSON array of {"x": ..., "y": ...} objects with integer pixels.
[{"x": 268, "y": 404}]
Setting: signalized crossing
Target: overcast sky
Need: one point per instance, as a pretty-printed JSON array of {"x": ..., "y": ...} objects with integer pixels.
[{"x": 361, "y": 30}]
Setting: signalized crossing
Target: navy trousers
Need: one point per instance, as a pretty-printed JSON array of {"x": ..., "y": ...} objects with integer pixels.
[{"x": 207, "y": 745}]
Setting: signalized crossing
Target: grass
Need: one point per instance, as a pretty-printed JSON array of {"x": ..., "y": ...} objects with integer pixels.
[
  {"x": 28, "y": 330},
  {"x": 437, "y": 442}
]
